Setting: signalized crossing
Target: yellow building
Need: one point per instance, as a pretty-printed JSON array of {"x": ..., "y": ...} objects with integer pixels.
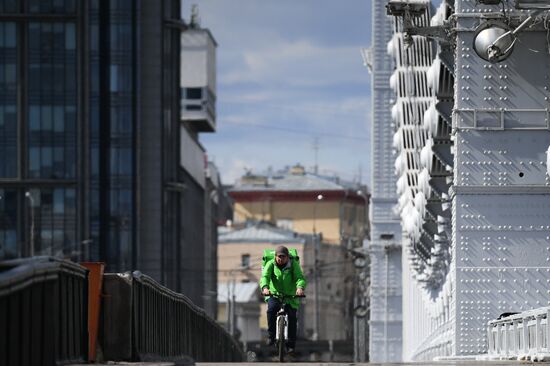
[{"x": 304, "y": 203}]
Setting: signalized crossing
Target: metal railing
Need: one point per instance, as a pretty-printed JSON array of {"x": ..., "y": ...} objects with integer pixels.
[
  {"x": 43, "y": 312},
  {"x": 144, "y": 320},
  {"x": 520, "y": 336}
]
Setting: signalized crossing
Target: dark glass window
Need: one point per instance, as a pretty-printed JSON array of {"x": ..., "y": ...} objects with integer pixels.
[
  {"x": 52, "y": 6},
  {"x": 193, "y": 93},
  {"x": 8, "y": 99},
  {"x": 9, "y": 6},
  {"x": 52, "y": 98},
  {"x": 54, "y": 213},
  {"x": 95, "y": 198},
  {"x": 121, "y": 174},
  {"x": 8, "y": 224}
]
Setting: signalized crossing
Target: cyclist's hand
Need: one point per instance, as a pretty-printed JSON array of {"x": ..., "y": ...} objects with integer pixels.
[
  {"x": 299, "y": 291},
  {"x": 265, "y": 291}
]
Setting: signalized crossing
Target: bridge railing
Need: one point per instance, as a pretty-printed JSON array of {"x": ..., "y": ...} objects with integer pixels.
[
  {"x": 144, "y": 320},
  {"x": 43, "y": 312},
  {"x": 523, "y": 335}
]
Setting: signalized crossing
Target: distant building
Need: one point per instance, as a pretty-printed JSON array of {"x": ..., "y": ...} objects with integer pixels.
[
  {"x": 240, "y": 253},
  {"x": 99, "y": 158},
  {"x": 215, "y": 199},
  {"x": 242, "y": 300},
  {"x": 386, "y": 321},
  {"x": 305, "y": 203},
  {"x": 310, "y": 204}
]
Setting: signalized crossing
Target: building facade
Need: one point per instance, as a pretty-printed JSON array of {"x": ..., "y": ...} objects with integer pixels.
[
  {"x": 330, "y": 212},
  {"x": 305, "y": 203},
  {"x": 91, "y": 136},
  {"x": 240, "y": 253},
  {"x": 471, "y": 132}
]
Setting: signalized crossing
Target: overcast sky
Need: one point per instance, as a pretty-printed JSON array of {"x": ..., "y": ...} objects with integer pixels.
[{"x": 289, "y": 71}]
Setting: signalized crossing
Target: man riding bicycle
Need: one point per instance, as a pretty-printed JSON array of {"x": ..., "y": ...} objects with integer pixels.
[{"x": 282, "y": 276}]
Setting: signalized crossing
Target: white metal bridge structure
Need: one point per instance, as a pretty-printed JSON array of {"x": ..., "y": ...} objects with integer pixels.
[{"x": 460, "y": 188}]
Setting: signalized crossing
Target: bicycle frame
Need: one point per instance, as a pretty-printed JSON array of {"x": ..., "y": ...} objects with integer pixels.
[
  {"x": 281, "y": 329},
  {"x": 282, "y": 316},
  {"x": 281, "y": 333}
]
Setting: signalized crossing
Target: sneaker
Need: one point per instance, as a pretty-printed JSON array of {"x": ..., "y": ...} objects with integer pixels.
[{"x": 290, "y": 350}]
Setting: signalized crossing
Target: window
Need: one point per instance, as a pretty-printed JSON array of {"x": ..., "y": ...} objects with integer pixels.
[
  {"x": 245, "y": 260},
  {"x": 287, "y": 224},
  {"x": 52, "y": 102},
  {"x": 193, "y": 107},
  {"x": 8, "y": 224},
  {"x": 193, "y": 93},
  {"x": 8, "y": 95}
]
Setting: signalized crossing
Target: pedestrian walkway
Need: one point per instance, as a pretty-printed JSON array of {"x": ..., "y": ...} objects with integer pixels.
[
  {"x": 129, "y": 363},
  {"x": 434, "y": 363}
]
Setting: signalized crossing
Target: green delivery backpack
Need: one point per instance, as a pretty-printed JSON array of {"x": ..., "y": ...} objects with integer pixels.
[{"x": 269, "y": 254}]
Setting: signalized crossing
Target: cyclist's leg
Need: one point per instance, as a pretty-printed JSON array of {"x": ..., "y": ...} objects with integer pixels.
[
  {"x": 292, "y": 325},
  {"x": 273, "y": 306}
]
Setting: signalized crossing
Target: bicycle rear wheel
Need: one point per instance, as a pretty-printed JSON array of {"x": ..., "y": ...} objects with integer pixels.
[{"x": 281, "y": 338}]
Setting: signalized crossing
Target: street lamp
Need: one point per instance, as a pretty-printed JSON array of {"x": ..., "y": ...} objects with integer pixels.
[
  {"x": 28, "y": 195},
  {"x": 318, "y": 198},
  {"x": 316, "y": 259},
  {"x": 494, "y": 42}
]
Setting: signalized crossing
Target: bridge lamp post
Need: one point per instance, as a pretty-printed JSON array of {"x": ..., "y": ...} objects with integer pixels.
[
  {"x": 316, "y": 260},
  {"x": 28, "y": 195},
  {"x": 361, "y": 308}
]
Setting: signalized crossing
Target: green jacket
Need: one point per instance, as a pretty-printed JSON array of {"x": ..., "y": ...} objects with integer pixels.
[{"x": 283, "y": 281}]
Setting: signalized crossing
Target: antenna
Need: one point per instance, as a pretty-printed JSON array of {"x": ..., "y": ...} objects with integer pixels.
[
  {"x": 316, "y": 150},
  {"x": 195, "y": 20}
]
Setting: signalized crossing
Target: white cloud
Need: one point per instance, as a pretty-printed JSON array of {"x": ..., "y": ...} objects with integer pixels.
[
  {"x": 296, "y": 68},
  {"x": 236, "y": 169},
  {"x": 297, "y": 64}
]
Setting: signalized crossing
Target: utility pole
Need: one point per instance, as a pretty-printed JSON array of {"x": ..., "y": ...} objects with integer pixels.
[
  {"x": 316, "y": 256},
  {"x": 316, "y": 149},
  {"x": 230, "y": 305}
]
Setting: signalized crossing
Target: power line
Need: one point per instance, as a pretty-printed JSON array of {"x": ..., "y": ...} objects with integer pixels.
[
  {"x": 302, "y": 132},
  {"x": 320, "y": 109}
]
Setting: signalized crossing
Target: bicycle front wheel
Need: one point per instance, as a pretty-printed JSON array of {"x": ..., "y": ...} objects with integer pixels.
[{"x": 281, "y": 339}]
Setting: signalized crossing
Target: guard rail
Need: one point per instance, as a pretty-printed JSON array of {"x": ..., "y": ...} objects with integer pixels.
[
  {"x": 43, "y": 312},
  {"x": 520, "y": 336},
  {"x": 144, "y": 320}
]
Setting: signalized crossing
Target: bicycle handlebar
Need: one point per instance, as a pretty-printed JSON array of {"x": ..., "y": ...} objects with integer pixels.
[{"x": 283, "y": 296}]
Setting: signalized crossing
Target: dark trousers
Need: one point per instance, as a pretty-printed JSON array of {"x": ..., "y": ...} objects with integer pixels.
[{"x": 273, "y": 306}]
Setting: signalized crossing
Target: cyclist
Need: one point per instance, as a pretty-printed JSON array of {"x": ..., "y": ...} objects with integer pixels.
[{"x": 282, "y": 276}]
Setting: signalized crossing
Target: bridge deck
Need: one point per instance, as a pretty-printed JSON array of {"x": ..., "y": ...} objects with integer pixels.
[{"x": 440, "y": 363}]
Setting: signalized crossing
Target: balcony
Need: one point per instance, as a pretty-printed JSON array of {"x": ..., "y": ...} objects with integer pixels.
[{"x": 198, "y": 109}]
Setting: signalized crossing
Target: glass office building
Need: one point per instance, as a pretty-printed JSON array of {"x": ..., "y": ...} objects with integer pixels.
[{"x": 90, "y": 136}]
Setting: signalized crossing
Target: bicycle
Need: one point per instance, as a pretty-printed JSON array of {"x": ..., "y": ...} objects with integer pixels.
[{"x": 281, "y": 329}]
